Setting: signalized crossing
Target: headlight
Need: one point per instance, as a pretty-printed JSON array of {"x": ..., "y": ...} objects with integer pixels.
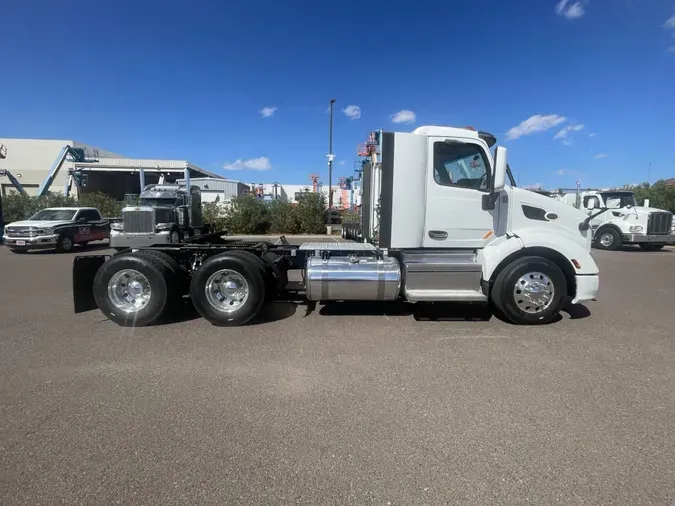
[
  {"x": 636, "y": 228},
  {"x": 47, "y": 231},
  {"x": 164, "y": 226},
  {"x": 116, "y": 226}
]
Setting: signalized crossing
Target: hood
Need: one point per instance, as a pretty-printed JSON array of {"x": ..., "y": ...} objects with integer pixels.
[{"x": 38, "y": 223}]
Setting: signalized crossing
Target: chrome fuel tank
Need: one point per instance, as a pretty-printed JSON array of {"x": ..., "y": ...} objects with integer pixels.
[{"x": 355, "y": 278}]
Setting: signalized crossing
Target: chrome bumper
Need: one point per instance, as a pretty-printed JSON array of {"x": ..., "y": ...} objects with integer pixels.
[
  {"x": 126, "y": 240},
  {"x": 637, "y": 238},
  {"x": 40, "y": 241}
]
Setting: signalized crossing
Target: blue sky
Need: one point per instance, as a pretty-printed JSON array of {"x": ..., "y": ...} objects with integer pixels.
[{"x": 188, "y": 80}]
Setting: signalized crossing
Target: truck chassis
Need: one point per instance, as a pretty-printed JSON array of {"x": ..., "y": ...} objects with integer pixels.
[{"x": 229, "y": 281}]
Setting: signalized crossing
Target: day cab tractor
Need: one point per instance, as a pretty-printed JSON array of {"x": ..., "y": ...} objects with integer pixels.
[
  {"x": 616, "y": 219},
  {"x": 439, "y": 224}
]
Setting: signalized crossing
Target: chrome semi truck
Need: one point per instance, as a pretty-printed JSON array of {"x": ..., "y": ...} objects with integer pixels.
[{"x": 439, "y": 223}]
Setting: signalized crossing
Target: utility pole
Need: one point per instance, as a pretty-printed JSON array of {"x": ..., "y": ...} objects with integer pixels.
[{"x": 331, "y": 156}]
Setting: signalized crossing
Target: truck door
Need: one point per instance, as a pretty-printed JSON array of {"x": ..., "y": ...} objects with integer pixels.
[
  {"x": 458, "y": 175},
  {"x": 598, "y": 220}
]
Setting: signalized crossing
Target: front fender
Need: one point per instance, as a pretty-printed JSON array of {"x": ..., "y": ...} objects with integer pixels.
[{"x": 570, "y": 249}]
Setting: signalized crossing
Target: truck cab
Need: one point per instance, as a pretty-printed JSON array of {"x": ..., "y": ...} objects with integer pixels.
[
  {"x": 161, "y": 214},
  {"x": 623, "y": 221}
]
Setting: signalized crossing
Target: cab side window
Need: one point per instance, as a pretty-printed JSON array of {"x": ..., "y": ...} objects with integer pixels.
[
  {"x": 461, "y": 164},
  {"x": 89, "y": 214},
  {"x": 593, "y": 198}
]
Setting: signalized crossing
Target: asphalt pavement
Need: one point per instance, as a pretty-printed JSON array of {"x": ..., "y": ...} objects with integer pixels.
[{"x": 339, "y": 404}]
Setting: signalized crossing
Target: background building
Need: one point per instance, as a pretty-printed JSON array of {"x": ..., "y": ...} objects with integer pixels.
[{"x": 32, "y": 160}]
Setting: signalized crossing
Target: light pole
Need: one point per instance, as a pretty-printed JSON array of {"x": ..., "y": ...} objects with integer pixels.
[{"x": 330, "y": 157}]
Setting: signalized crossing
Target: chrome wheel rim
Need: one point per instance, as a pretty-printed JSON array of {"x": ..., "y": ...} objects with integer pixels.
[
  {"x": 175, "y": 239},
  {"x": 226, "y": 290},
  {"x": 606, "y": 239},
  {"x": 129, "y": 290},
  {"x": 533, "y": 292}
]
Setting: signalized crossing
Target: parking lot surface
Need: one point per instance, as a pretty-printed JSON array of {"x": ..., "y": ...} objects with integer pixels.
[{"x": 339, "y": 404}]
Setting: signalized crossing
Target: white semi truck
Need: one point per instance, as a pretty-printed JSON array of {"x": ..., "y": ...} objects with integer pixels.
[
  {"x": 616, "y": 219},
  {"x": 439, "y": 222}
]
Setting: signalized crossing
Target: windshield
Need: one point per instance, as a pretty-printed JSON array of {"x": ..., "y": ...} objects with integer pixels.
[
  {"x": 618, "y": 200},
  {"x": 158, "y": 202},
  {"x": 53, "y": 215}
]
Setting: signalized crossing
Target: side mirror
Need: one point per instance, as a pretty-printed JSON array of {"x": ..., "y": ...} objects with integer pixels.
[
  {"x": 591, "y": 204},
  {"x": 499, "y": 179}
]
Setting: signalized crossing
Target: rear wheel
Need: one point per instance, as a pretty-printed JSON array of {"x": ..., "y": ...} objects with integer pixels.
[
  {"x": 608, "y": 239},
  {"x": 652, "y": 246},
  {"x": 228, "y": 289},
  {"x": 133, "y": 290},
  {"x": 530, "y": 291}
]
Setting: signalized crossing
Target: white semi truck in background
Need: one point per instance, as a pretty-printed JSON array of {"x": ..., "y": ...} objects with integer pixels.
[
  {"x": 439, "y": 223},
  {"x": 623, "y": 221}
]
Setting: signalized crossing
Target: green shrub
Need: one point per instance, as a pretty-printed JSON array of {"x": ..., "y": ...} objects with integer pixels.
[
  {"x": 350, "y": 217},
  {"x": 214, "y": 215},
  {"x": 247, "y": 215},
  {"x": 311, "y": 213},
  {"x": 284, "y": 218},
  {"x": 106, "y": 204}
]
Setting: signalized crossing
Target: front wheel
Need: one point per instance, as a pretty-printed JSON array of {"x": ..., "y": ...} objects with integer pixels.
[
  {"x": 608, "y": 239},
  {"x": 228, "y": 289},
  {"x": 530, "y": 291},
  {"x": 652, "y": 246},
  {"x": 175, "y": 236}
]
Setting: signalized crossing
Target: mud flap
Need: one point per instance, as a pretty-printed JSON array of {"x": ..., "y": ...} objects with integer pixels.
[{"x": 84, "y": 271}]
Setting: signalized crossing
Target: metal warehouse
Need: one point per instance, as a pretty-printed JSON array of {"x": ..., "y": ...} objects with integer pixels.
[{"x": 69, "y": 166}]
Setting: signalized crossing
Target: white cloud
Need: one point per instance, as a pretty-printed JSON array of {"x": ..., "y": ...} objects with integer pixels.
[
  {"x": 670, "y": 23},
  {"x": 591, "y": 134},
  {"x": 600, "y": 155},
  {"x": 533, "y": 124},
  {"x": 569, "y": 128},
  {"x": 262, "y": 163},
  {"x": 341, "y": 162},
  {"x": 404, "y": 116},
  {"x": 352, "y": 111},
  {"x": 671, "y": 49},
  {"x": 560, "y": 172},
  {"x": 569, "y": 9},
  {"x": 266, "y": 112}
]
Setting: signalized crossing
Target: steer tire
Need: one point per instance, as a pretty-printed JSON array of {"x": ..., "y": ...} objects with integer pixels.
[
  {"x": 615, "y": 243},
  {"x": 650, "y": 246},
  {"x": 159, "y": 277},
  {"x": 65, "y": 243},
  {"x": 504, "y": 295},
  {"x": 246, "y": 267}
]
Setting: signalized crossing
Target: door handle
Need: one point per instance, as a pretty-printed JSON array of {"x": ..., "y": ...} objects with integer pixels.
[{"x": 438, "y": 234}]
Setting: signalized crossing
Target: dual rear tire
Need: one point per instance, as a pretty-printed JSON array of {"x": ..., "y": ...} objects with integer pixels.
[{"x": 143, "y": 288}]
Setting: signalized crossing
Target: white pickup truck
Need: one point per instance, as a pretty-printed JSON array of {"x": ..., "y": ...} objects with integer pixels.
[{"x": 58, "y": 228}]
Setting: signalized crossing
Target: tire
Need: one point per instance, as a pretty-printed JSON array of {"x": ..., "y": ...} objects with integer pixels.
[
  {"x": 607, "y": 239},
  {"x": 522, "y": 272},
  {"x": 177, "y": 277},
  {"x": 652, "y": 246},
  {"x": 175, "y": 237},
  {"x": 155, "y": 273},
  {"x": 245, "y": 273},
  {"x": 65, "y": 243}
]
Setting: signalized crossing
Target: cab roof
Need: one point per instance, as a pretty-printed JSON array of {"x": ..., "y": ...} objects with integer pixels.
[{"x": 448, "y": 131}]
